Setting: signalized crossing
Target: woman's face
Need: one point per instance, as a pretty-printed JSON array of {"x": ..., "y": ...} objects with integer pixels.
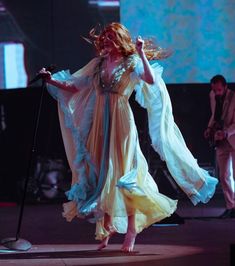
[{"x": 108, "y": 38}]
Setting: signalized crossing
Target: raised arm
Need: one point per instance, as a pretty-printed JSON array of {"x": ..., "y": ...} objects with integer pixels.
[
  {"x": 64, "y": 85},
  {"x": 148, "y": 72}
]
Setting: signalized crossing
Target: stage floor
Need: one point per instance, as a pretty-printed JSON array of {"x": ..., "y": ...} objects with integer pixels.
[{"x": 202, "y": 239}]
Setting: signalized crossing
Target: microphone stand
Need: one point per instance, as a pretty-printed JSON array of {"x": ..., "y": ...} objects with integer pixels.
[{"x": 17, "y": 243}]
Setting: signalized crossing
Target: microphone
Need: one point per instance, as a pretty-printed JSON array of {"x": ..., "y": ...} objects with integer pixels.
[{"x": 39, "y": 76}]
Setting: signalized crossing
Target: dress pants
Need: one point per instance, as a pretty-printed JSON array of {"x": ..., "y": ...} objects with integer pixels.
[{"x": 225, "y": 156}]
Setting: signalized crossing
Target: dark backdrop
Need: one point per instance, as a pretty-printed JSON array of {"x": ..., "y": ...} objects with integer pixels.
[{"x": 52, "y": 31}]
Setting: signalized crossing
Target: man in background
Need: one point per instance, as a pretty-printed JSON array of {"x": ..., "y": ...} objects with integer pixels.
[{"x": 221, "y": 135}]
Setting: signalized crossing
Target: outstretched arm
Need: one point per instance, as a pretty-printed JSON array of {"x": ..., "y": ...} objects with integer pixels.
[
  {"x": 148, "y": 72},
  {"x": 64, "y": 85}
]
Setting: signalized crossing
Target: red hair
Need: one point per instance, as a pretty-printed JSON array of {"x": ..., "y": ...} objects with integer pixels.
[{"x": 124, "y": 43}]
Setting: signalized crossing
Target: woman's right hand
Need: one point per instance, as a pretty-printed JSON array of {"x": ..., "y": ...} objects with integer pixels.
[{"x": 46, "y": 75}]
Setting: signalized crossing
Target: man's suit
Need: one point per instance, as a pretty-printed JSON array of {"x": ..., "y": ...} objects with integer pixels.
[{"x": 225, "y": 149}]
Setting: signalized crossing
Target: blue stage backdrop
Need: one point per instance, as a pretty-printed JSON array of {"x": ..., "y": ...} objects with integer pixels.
[{"x": 201, "y": 34}]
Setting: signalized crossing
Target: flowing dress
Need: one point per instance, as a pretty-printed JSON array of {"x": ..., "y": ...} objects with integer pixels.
[{"x": 109, "y": 172}]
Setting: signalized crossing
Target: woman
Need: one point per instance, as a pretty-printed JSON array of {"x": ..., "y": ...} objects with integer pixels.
[{"x": 110, "y": 181}]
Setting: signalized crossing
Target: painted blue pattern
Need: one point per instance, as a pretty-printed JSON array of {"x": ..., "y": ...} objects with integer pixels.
[{"x": 201, "y": 34}]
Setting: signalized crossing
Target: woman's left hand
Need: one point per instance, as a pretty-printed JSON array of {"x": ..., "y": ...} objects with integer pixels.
[{"x": 139, "y": 45}]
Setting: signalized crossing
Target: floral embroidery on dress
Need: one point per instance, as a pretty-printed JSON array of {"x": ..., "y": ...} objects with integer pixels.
[{"x": 116, "y": 76}]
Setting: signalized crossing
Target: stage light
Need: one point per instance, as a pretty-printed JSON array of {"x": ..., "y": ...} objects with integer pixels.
[
  {"x": 12, "y": 64},
  {"x": 104, "y": 3}
]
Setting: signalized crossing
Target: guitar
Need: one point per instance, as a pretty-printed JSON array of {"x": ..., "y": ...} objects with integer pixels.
[{"x": 217, "y": 125}]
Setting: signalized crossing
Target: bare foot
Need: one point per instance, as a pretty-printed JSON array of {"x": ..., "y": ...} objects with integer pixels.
[
  {"x": 129, "y": 242},
  {"x": 105, "y": 241}
]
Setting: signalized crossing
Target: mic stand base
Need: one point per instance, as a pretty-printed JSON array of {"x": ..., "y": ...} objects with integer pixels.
[{"x": 16, "y": 244}]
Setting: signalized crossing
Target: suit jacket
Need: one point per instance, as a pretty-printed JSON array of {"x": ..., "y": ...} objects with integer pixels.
[{"x": 228, "y": 114}]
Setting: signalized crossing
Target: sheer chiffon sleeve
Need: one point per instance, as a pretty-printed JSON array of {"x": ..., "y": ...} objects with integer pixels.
[
  {"x": 167, "y": 139},
  {"x": 75, "y": 115}
]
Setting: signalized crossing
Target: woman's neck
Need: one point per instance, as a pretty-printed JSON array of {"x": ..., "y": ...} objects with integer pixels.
[{"x": 113, "y": 56}]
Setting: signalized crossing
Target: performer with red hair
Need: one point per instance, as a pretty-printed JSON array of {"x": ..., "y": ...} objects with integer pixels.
[{"x": 111, "y": 184}]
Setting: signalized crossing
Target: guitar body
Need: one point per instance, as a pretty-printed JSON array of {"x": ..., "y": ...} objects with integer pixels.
[{"x": 216, "y": 126}]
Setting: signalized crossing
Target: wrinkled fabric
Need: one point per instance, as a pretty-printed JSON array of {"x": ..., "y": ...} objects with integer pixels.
[
  {"x": 168, "y": 141},
  {"x": 109, "y": 172}
]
